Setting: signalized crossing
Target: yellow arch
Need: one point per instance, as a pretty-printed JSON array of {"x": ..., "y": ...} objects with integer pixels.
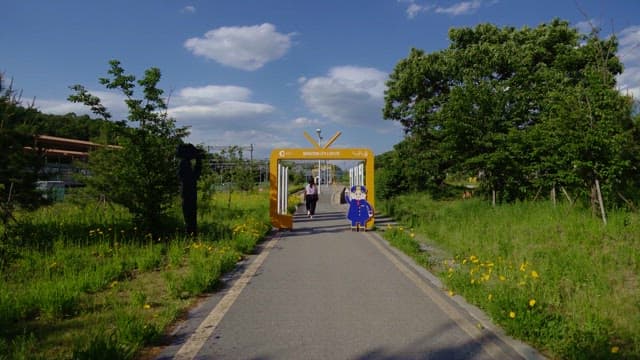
[{"x": 285, "y": 221}]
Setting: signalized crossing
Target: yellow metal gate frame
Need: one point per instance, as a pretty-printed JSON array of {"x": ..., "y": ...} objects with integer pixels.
[{"x": 284, "y": 220}]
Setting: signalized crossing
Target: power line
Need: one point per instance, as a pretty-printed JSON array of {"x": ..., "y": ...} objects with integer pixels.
[{"x": 226, "y": 147}]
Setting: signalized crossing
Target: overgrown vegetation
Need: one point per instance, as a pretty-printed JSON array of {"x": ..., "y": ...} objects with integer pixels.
[
  {"x": 553, "y": 276},
  {"x": 19, "y": 125},
  {"x": 87, "y": 284},
  {"x": 130, "y": 175},
  {"x": 18, "y": 168}
]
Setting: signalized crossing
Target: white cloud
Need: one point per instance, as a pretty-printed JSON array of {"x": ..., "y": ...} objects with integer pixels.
[
  {"x": 61, "y": 107},
  {"x": 229, "y": 105},
  {"x": 112, "y": 101},
  {"x": 348, "y": 95},
  {"x": 629, "y": 42},
  {"x": 213, "y": 93},
  {"x": 462, "y": 8},
  {"x": 303, "y": 122},
  {"x": 228, "y": 111},
  {"x": 629, "y": 53},
  {"x": 189, "y": 9},
  {"x": 585, "y": 27},
  {"x": 413, "y": 9},
  {"x": 215, "y": 107},
  {"x": 243, "y": 47},
  {"x": 629, "y": 82}
]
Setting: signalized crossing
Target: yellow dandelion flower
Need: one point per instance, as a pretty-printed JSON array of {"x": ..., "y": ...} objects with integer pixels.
[
  {"x": 490, "y": 297},
  {"x": 534, "y": 274},
  {"x": 615, "y": 349},
  {"x": 412, "y": 235},
  {"x": 502, "y": 278},
  {"x": 450, "y": 292},
  {"x": 512, "y": 314},
  {"x": 523, "y": 266},
  {"x": 147, "y": 306},
  {"x": 532, "y": 302},
  {"x": 473, "y": 257}
]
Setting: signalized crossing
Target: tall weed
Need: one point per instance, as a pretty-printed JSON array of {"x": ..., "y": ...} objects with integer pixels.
[
  {"x": 555, "y": 276},
  {"x": 80, "y": 264}
]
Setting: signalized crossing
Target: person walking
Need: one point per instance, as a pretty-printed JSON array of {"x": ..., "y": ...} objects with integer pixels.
[{"x": 311, "y": 197}]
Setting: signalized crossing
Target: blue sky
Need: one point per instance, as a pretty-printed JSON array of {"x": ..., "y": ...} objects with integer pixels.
[{"x": 261, "y": 72}]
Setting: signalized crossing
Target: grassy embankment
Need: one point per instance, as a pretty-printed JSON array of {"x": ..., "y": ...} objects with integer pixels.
[
  {"x": 553, "y": 276},
  {"x": 84, "y": 284}
]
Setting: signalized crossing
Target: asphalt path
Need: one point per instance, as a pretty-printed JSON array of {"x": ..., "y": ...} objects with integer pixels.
[{"x": 323, "y": 291}]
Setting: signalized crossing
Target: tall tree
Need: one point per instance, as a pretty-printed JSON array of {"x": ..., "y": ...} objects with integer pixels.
[
  {"x": 488, "y": 104},
  {"x": 142, "y": 175}
]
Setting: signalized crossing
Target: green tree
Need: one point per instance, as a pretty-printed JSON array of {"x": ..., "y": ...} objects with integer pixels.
[
  {"x": 503, "y": 103},
  {"x": 408, "y": 168},
  {"x": 241, "y": 173},
  {"x": 18, "y": 168},
  {"x": 142, "y": 174}
]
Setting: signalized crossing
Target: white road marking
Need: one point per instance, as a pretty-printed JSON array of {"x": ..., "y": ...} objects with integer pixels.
[
  {"x": 476, "y": 334},
  {"x": 192, "y": 346}
]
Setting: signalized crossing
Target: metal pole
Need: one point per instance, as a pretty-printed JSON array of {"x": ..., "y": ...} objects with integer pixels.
[{"x": 318, "y": 131}]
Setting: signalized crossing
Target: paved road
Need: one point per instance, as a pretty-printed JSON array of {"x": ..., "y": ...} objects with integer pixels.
[{"x": 322, "y": 291}]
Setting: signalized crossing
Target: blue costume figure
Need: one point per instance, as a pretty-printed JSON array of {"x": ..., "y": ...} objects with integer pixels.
[{"x": 360, "y": 211}]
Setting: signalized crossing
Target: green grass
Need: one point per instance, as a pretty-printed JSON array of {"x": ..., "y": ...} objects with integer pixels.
[
  {"x": 554, "y": 276},
  {"x": 80, "y": 282},
  {"x": 406, "y": 241}
]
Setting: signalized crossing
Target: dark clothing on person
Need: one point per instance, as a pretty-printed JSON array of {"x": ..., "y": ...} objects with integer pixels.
[{"x": 310, "y": 202}]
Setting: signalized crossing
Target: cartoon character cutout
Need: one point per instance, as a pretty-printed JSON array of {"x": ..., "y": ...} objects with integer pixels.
[{"x": 360, "y": 211}]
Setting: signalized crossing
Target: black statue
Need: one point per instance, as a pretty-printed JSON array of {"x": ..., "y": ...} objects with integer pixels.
[{"x": 189, "y": 177}]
